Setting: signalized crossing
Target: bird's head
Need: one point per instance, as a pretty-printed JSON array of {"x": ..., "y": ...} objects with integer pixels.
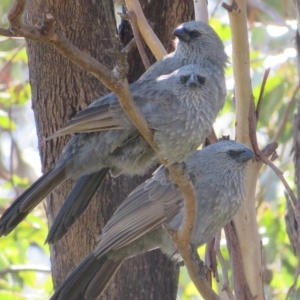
[
  {"x": 232, "y": 151},
  {"x": 224, "y": 157},
  {"x": 192, "y": 76},
  {"x": 198, "y": 39}
]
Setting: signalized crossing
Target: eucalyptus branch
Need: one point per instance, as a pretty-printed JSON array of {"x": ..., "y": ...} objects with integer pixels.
[
  {"x": 201, "y": 12},
  {"x": 241, "y": 287},
  {"x": 269, "y": 10},
  {"x": 261, "y": 93},
  {"x": 226, "y": 286},
  {"x": 292, "y": 289},
  {"x": 286, "y": 113},
  {"x": 24, "y": 268},
  {"x": 245, "y": 220},
  {"x": 131, "y": 16},
  {"x": 146, "y": 31}
]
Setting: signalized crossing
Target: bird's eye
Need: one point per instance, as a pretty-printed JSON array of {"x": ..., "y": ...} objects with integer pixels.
[
  {"x": 183, "y": 79},
  {"x": 232, "y": 153},
  {"x": 201, "y": 79},
  {"x": 195, "y": 34}
]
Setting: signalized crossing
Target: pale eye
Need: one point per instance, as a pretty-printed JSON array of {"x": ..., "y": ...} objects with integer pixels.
[
  {"x": 232, "y": 153},
  {"x": 195, "y": 34},
  {"x": 183, "y": 79},
  {"x": 201, "y": 79}
]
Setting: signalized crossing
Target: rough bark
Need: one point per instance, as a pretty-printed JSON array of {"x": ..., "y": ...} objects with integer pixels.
[{"x": 59, "y": 90}]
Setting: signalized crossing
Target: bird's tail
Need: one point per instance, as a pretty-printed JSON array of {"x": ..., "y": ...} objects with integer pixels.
[
  {"x": 75, "y": 204},
  {"x": 89, "y": 280},
  {"x": 26, "y": 202}
]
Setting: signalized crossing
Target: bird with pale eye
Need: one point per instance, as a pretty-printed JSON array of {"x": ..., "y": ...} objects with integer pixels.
[
  {"x": 140, "y": 223},
  {"x": 106, "y": 141},
  {"x": 115, "y": 145}
]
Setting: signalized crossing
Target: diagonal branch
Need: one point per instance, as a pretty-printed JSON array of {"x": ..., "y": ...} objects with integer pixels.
[
  {"x": 146, "y": 31},
  {"x": 131, "y": 16},
  {"x": 241, "y": 287}
]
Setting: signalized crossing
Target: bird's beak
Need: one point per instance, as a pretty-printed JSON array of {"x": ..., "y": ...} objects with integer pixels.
[
  {"x": 192, "y": 82},
  {"x": 246, "y": 155},
  {"x": 182, "y": 34}
]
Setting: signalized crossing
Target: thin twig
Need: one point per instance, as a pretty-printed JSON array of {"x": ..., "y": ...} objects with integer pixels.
[
  {"x": 210, "y": 261},
  {"x": 291, "y": 194},
  {"x": 292, "y": 289},
  {"x": 226, "y": 286},
  {"x": 269, "y": 10},
  {"x": 261, "y": 93},
  {"x": 137, "y": 36},
  {"x": 8, "y": 62},
  {"x": 241, "y": 288},
  {"x": 286, "y": 114},
  {"x": 146, "y": 31},
  {"x": 11, "y": 152},
  {"x": 25, "y": 268}
]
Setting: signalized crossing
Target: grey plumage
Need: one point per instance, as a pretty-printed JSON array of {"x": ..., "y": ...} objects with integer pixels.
[
  {"x": 180, "y": 108},
  {"x": 137, "y": 225},
  {"x": 197, "y": 43},
  {"x": 128, "y": 152}
]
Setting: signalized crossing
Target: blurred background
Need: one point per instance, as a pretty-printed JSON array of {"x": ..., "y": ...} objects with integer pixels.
[{"x": 24, "y": 259}]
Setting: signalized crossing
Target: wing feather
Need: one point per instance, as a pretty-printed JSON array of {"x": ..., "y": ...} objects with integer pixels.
[
  {"x": 91, "y": 119},
  {"x": 146, "y": 208}
]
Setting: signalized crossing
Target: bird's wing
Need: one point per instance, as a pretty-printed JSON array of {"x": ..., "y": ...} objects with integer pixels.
[
  {"x": 145, "y": 209},
  {"x": 93, "y": 118}
]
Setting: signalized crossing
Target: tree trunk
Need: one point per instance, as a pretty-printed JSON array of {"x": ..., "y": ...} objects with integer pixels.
[{"x": 59, "y": 90}]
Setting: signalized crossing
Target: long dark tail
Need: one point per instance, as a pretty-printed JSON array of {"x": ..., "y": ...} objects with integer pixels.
[
  {"x": 25, "y": 203},
  {"x": 75, "y": 204},
  {"x": 89, "y": 280}
]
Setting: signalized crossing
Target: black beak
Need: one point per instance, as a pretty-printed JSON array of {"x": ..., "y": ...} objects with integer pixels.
[
  {"x": 246, "y": 155},
  {"x": 182, "y": 34},
  {"x": 192, "y": 81}
]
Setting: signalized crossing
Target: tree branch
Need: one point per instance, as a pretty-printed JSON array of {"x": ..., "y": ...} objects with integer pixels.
[
  {"x": 201, "y": 12},
  {"x": 24, "y": 268},
  {"x": 146, "y": 31},
  {"x": 286, "y": 114},
  {"x": 293, "y": 287},
  {"x": 241, "y": 287},
  {"x": 131, "y": 16},
  {"x": 245, "y": 220},
  {"x": 226, "y": 286}
]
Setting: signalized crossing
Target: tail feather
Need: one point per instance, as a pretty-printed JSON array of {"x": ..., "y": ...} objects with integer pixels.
[
  {"x": 75, "y": 204},
  {"x": 101, "y": 279},
  {"x": 88, "y": 280},
  {"x": 26, "y": 202}
]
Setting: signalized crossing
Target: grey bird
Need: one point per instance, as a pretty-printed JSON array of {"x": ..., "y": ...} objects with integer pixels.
[
  {"x": 196, "y": 43},
  {"x": 180, "y": 108},
  {"x": 140, "y": 223}
]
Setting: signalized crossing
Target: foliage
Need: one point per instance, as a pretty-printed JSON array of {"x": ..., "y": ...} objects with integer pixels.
[{"x": 271, "y": 45}]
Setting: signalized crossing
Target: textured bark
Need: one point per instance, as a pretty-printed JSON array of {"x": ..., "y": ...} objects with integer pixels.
[{"x": 59, "y": 90}]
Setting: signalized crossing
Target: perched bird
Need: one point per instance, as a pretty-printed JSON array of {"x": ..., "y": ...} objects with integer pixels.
[
  {"x": 138, "y": 225},
  {"x": 196, "y": 43},
  {"x": 180, "y": 108}
]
